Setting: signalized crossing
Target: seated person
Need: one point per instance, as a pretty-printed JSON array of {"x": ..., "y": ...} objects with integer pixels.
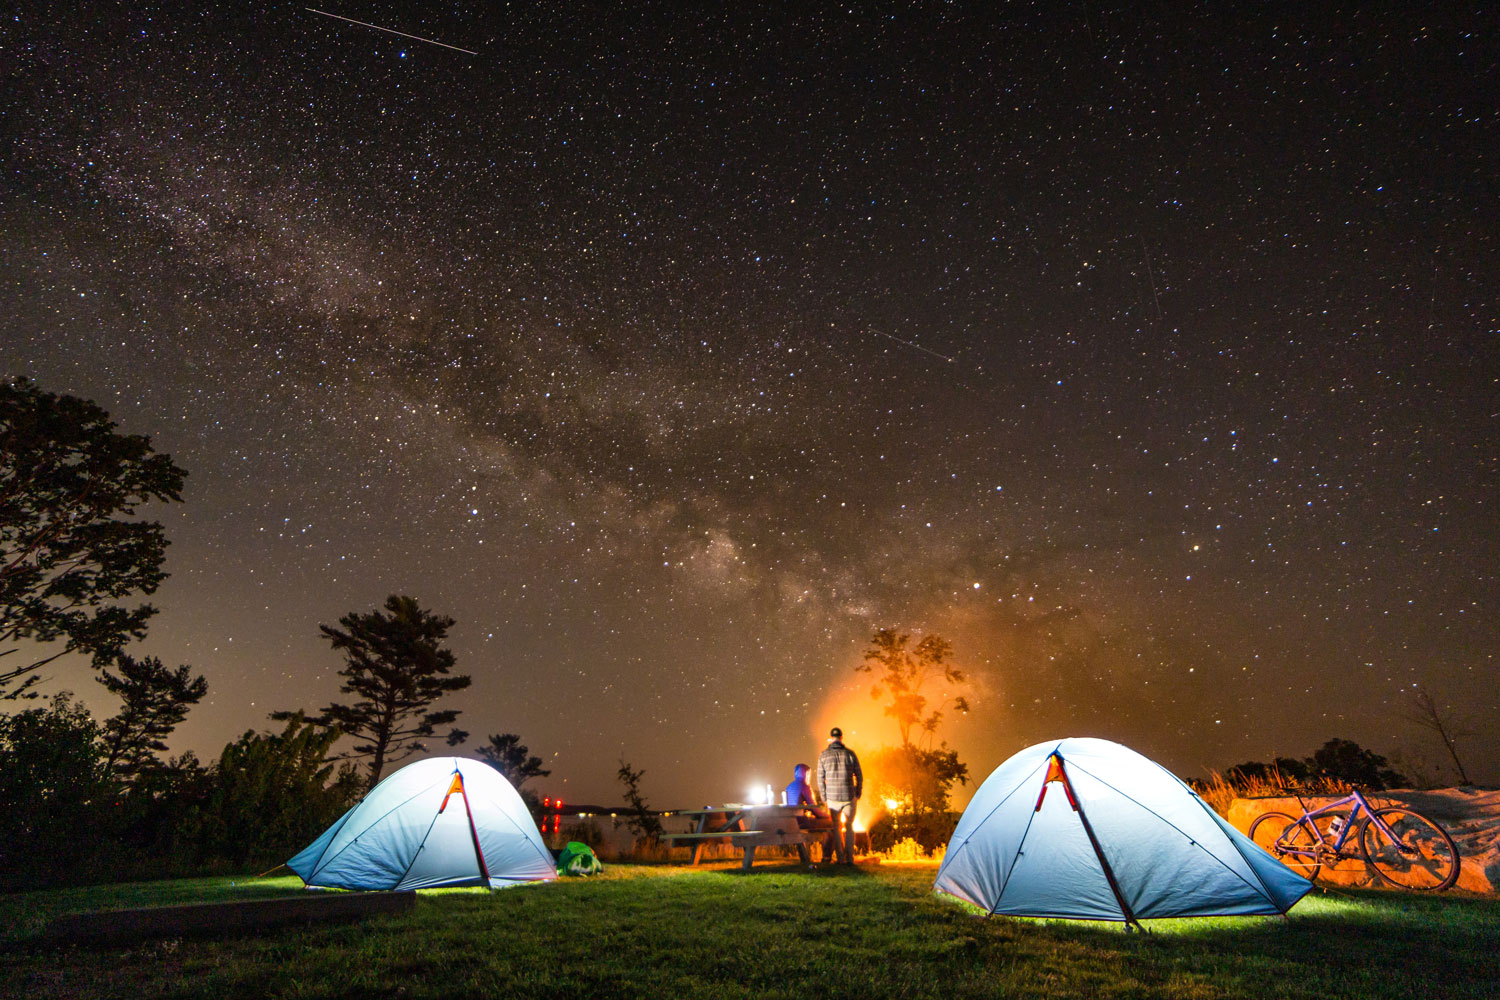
[
  {"x": 799, "y": 792},
  {"x": 810, "y": 816}
]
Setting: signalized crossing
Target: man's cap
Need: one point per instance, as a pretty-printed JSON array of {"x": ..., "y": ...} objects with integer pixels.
[
  {"x": 835, "y": 733},
  {"x": 800, "y": 767}
]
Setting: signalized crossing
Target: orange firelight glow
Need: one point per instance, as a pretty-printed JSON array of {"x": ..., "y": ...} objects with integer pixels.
[{"x": 867, "y": 729}]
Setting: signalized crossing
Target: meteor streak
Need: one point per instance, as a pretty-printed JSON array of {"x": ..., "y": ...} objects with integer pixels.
[
  {"x": 908, "y": 343},
  {"x": 393, "y": 31}
]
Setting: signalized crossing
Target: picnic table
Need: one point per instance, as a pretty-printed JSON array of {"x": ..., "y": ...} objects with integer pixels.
[{"x": 752, "y": 826}]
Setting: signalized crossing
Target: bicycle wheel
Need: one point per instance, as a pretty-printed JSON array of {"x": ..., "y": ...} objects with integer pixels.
[
  {"x": 1422, "y": 856},
  {"x": 1275, "y": 832}
]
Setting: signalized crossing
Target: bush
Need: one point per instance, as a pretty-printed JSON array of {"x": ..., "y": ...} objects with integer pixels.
[
  {"x": 59, "y": 807},
  {"x": 271, "y": 794},
  {"x": 931, "y": 831}
]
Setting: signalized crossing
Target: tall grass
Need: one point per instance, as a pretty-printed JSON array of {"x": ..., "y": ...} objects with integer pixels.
[{"x": 1222, "y": 788}]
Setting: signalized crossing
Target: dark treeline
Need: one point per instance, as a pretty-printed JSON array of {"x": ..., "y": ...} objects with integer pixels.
[
  {"x": 1338, "y": 760},
  {"x": 67, "y": 817},
  {"x": 89, "y": 800}
]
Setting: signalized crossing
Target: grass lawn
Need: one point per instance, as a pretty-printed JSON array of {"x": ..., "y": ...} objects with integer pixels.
[{"x": 659, "y": 931}]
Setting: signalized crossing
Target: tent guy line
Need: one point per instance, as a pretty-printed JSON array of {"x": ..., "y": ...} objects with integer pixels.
[{"x": 393, "y": 31}]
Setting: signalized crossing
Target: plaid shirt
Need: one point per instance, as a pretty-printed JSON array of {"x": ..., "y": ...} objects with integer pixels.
[{"x": 839, "y": 776}]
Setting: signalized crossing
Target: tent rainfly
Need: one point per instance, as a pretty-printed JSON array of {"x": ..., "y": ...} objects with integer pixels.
[
  {"x": 449, "y": 821},
  {"x": 1088, "y": 829}
]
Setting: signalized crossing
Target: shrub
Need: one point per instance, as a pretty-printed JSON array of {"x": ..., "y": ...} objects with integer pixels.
[
  {"x": 931, "y": 831},
  {"x": 59, "y": 806}
]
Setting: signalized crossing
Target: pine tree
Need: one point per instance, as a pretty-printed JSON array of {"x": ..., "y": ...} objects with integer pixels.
[
  {"x": 513, "y": 759},
  {"x": 156, "y": 700},
  {"x": 69, "y": 545},
  {"x": 396, "y": 665}
]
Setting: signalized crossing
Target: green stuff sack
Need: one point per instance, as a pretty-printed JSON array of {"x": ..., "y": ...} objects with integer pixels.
[{"x": 578, "y": 859}]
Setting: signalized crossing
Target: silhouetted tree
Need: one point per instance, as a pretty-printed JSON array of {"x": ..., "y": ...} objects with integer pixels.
[
  {"x": 1424, "y": 711},
  {"x": 640, "y": 819},
  {"x": 915, "y": 776},
  {"x": 69, "y": 545},
  {"x": 156, "y": 700},
  {"x": 158, "y": 810},
  {"x": 902, "y": 672},
  {"x": 508, "y": 755},
  {"x": 1348, "y": 761},
  {"x": 396, "y": 664}
]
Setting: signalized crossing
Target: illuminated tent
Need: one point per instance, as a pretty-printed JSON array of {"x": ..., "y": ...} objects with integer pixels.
[
  {"x": 1088, "y": 829},
  {"x": 449, "y": 821}
]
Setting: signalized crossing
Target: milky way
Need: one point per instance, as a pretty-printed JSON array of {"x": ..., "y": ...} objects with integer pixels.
[{"x": 1151, "y": 361}]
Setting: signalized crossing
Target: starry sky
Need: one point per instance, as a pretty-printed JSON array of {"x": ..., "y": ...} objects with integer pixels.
[{"x": 1149, "y": 356}]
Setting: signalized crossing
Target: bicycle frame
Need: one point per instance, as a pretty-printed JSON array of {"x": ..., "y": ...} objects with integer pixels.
[{"x": 1321, "y": 844}]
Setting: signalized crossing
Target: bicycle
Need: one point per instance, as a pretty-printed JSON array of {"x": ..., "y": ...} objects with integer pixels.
[{"x": 1403, "y": 847}]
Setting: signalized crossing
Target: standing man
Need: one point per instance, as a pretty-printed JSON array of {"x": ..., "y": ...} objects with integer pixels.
[{"x": 840, "y": 782}]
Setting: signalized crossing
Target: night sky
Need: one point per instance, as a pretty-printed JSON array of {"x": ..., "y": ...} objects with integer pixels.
[{"x": 1151, "y": 358}]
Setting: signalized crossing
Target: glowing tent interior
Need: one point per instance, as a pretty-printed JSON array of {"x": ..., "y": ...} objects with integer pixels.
[
  {"x": 1088, "y": 829},
  {"x": 449, "y": 821}
]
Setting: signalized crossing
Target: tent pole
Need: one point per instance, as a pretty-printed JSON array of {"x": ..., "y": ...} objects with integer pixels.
[
  {"x": 474, "y": 833},
  {"x": 1088, "y": 828}
]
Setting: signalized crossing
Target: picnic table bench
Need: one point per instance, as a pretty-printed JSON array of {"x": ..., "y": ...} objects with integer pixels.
[{"x": 752, "y": 826}]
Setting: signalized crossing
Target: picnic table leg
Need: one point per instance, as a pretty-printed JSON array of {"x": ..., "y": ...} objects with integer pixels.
[
  {"x": 749, "y": 856},
  {"x": 804, "y": 855},
  {"x": 698, "y": 844}
]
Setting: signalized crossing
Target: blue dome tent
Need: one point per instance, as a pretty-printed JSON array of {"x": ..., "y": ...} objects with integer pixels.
[
  {"x": 449, "y": 821},
  {"x": 1088, "y": 829}
]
